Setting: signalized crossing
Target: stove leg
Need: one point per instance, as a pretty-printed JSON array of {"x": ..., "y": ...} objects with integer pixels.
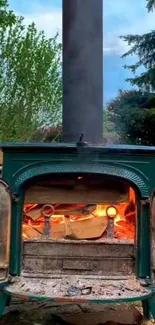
[
  {"x": 3, "y": 302},
  {"x": 8, "y": 302},
  {"x": 146, "y": 309}
]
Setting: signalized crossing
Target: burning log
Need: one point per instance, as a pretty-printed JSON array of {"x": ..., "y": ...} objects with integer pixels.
[
  {"x": 130, "y": 213},
  {"x": 82, "y": 221},
  {"x": 34, "y": 212},
  {"x": 86, "y": 228},
  {"x": 77, "y": 195},
  {"x": 124, "y": 229}
]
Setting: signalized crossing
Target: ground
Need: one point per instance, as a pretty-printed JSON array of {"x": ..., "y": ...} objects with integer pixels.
[{"x": 25, "y": 313}]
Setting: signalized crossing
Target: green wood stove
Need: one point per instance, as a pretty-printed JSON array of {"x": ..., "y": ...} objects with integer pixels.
[
  {"x": 77, "y": 219},
  {"x": 80, "y": 223}
]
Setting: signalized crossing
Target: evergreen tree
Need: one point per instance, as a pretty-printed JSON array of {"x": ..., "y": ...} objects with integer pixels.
[
  {"x": 143, "y": 46},
  {"x": 132, "y": 117},
  {"x": 150, "y": 4},
  {"x": 133, "y": 112}
]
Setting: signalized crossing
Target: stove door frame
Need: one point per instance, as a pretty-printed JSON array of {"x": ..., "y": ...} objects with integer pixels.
[
  {"x": 152, "y": 241},
  {"x": 143, "y": 241},
  {"x": 134, "y": 177}
]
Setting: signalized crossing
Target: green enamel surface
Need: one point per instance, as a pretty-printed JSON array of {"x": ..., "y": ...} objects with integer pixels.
[{"x": 3, "y": 302}]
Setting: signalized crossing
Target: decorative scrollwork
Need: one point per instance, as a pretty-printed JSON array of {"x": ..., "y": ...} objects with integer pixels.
[{"x": 43, "y": 168}]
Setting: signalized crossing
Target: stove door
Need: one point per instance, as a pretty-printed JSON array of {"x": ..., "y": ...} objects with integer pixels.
[
  {"x": 5, "y": 228},
  {"x": 153, "y": 235}
]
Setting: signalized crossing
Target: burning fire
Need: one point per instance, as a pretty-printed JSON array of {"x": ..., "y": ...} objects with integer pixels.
[{"x": 64, "y": 215}]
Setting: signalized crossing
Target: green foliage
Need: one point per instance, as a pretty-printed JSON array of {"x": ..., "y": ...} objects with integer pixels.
[
  {"x": 133, "y": 112},
  {"x": 110, "y": 135},
  {"x": 134, "y": 121},
  {"x": 7, "y": 17},
  {"x": 143, "y": 46},
  {"x": 30, "y": 78}
]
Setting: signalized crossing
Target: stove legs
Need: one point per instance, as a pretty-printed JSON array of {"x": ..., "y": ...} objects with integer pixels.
[
  {"x": 146, "y": 309},
  {"x": 3, "y": 302}
]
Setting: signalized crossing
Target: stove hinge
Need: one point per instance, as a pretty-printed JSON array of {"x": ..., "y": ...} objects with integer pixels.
[
  {"x": 145, "y": 202},
  {"x": 14, "y": 197}
]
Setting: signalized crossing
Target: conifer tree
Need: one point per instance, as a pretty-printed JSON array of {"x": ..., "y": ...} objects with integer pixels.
[
  {"x": 143, "y": 46},
  {"x": 150, "y": 5}
]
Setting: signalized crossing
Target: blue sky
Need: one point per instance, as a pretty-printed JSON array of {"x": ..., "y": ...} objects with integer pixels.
[{"x": 121, "y": 17}]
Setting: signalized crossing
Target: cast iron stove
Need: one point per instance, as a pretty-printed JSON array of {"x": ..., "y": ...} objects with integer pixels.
[
  {"x": 80, "y": 223},
  {"x": 78, "y": 215}
]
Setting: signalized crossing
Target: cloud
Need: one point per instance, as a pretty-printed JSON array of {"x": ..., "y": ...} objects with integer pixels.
[
  {"x": 123, "y": 18},
  {"x": 120, "y": 17},
  {"x": 114, "y": 45},
  {"x": 47, "y": 19}
]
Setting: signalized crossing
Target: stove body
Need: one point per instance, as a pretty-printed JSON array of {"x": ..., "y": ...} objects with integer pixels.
[
  {"x": 77, "y": 221},
  {"x": 84, "y": 260}
]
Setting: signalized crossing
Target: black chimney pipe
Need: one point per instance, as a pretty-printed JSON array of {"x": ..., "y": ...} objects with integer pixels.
[{"x": 83, "y": 71}]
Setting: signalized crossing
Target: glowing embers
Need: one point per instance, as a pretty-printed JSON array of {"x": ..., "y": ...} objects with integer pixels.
[
  {"x": 125, "y": 222},
  {"x": 82, "y": 221}
]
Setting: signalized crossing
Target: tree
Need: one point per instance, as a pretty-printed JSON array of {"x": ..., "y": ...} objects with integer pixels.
[
  {"x": 150, "y": 5},
  {"x": 143, "y": 46},
  {"x": 30, "y": 78},
  {"x": 133, "y": 112},
  {"x": 134, "y": 121},
  {"x": 7, "y": 17},
  {"x": 110, "y": 135}
]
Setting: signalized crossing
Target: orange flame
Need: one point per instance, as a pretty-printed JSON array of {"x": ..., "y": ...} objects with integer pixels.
[{"x": 124, "y": 222}]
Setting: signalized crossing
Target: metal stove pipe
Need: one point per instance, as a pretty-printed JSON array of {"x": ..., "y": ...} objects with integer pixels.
[{"x": 83, "y": 70}]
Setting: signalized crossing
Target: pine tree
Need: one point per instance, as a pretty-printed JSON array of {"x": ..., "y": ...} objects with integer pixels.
[
  {"x": 150, "y": 5},
  {"x": 143, "y": 46}
]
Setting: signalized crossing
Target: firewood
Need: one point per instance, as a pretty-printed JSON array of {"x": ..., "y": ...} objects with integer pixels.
[
  {"x": 68, "y": 230},
  {"x": 75, "y": 209},
  {"x": 34, "y": 214},
  {"x": 77, "y": 229},
  {"x": 44, "y": 195},
  {"x": 30, "y": 232},
  {"x": 80, "y": 229},
  {"x": 68, "y": 209}
]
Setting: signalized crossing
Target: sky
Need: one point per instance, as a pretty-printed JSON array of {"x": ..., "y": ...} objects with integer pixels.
[{"x": 120, "y": 17}]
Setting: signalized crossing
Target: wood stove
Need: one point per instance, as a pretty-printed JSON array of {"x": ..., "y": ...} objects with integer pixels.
[
  {"x": 75, "y": 220},
  {"x": 80, "y": 223}
]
